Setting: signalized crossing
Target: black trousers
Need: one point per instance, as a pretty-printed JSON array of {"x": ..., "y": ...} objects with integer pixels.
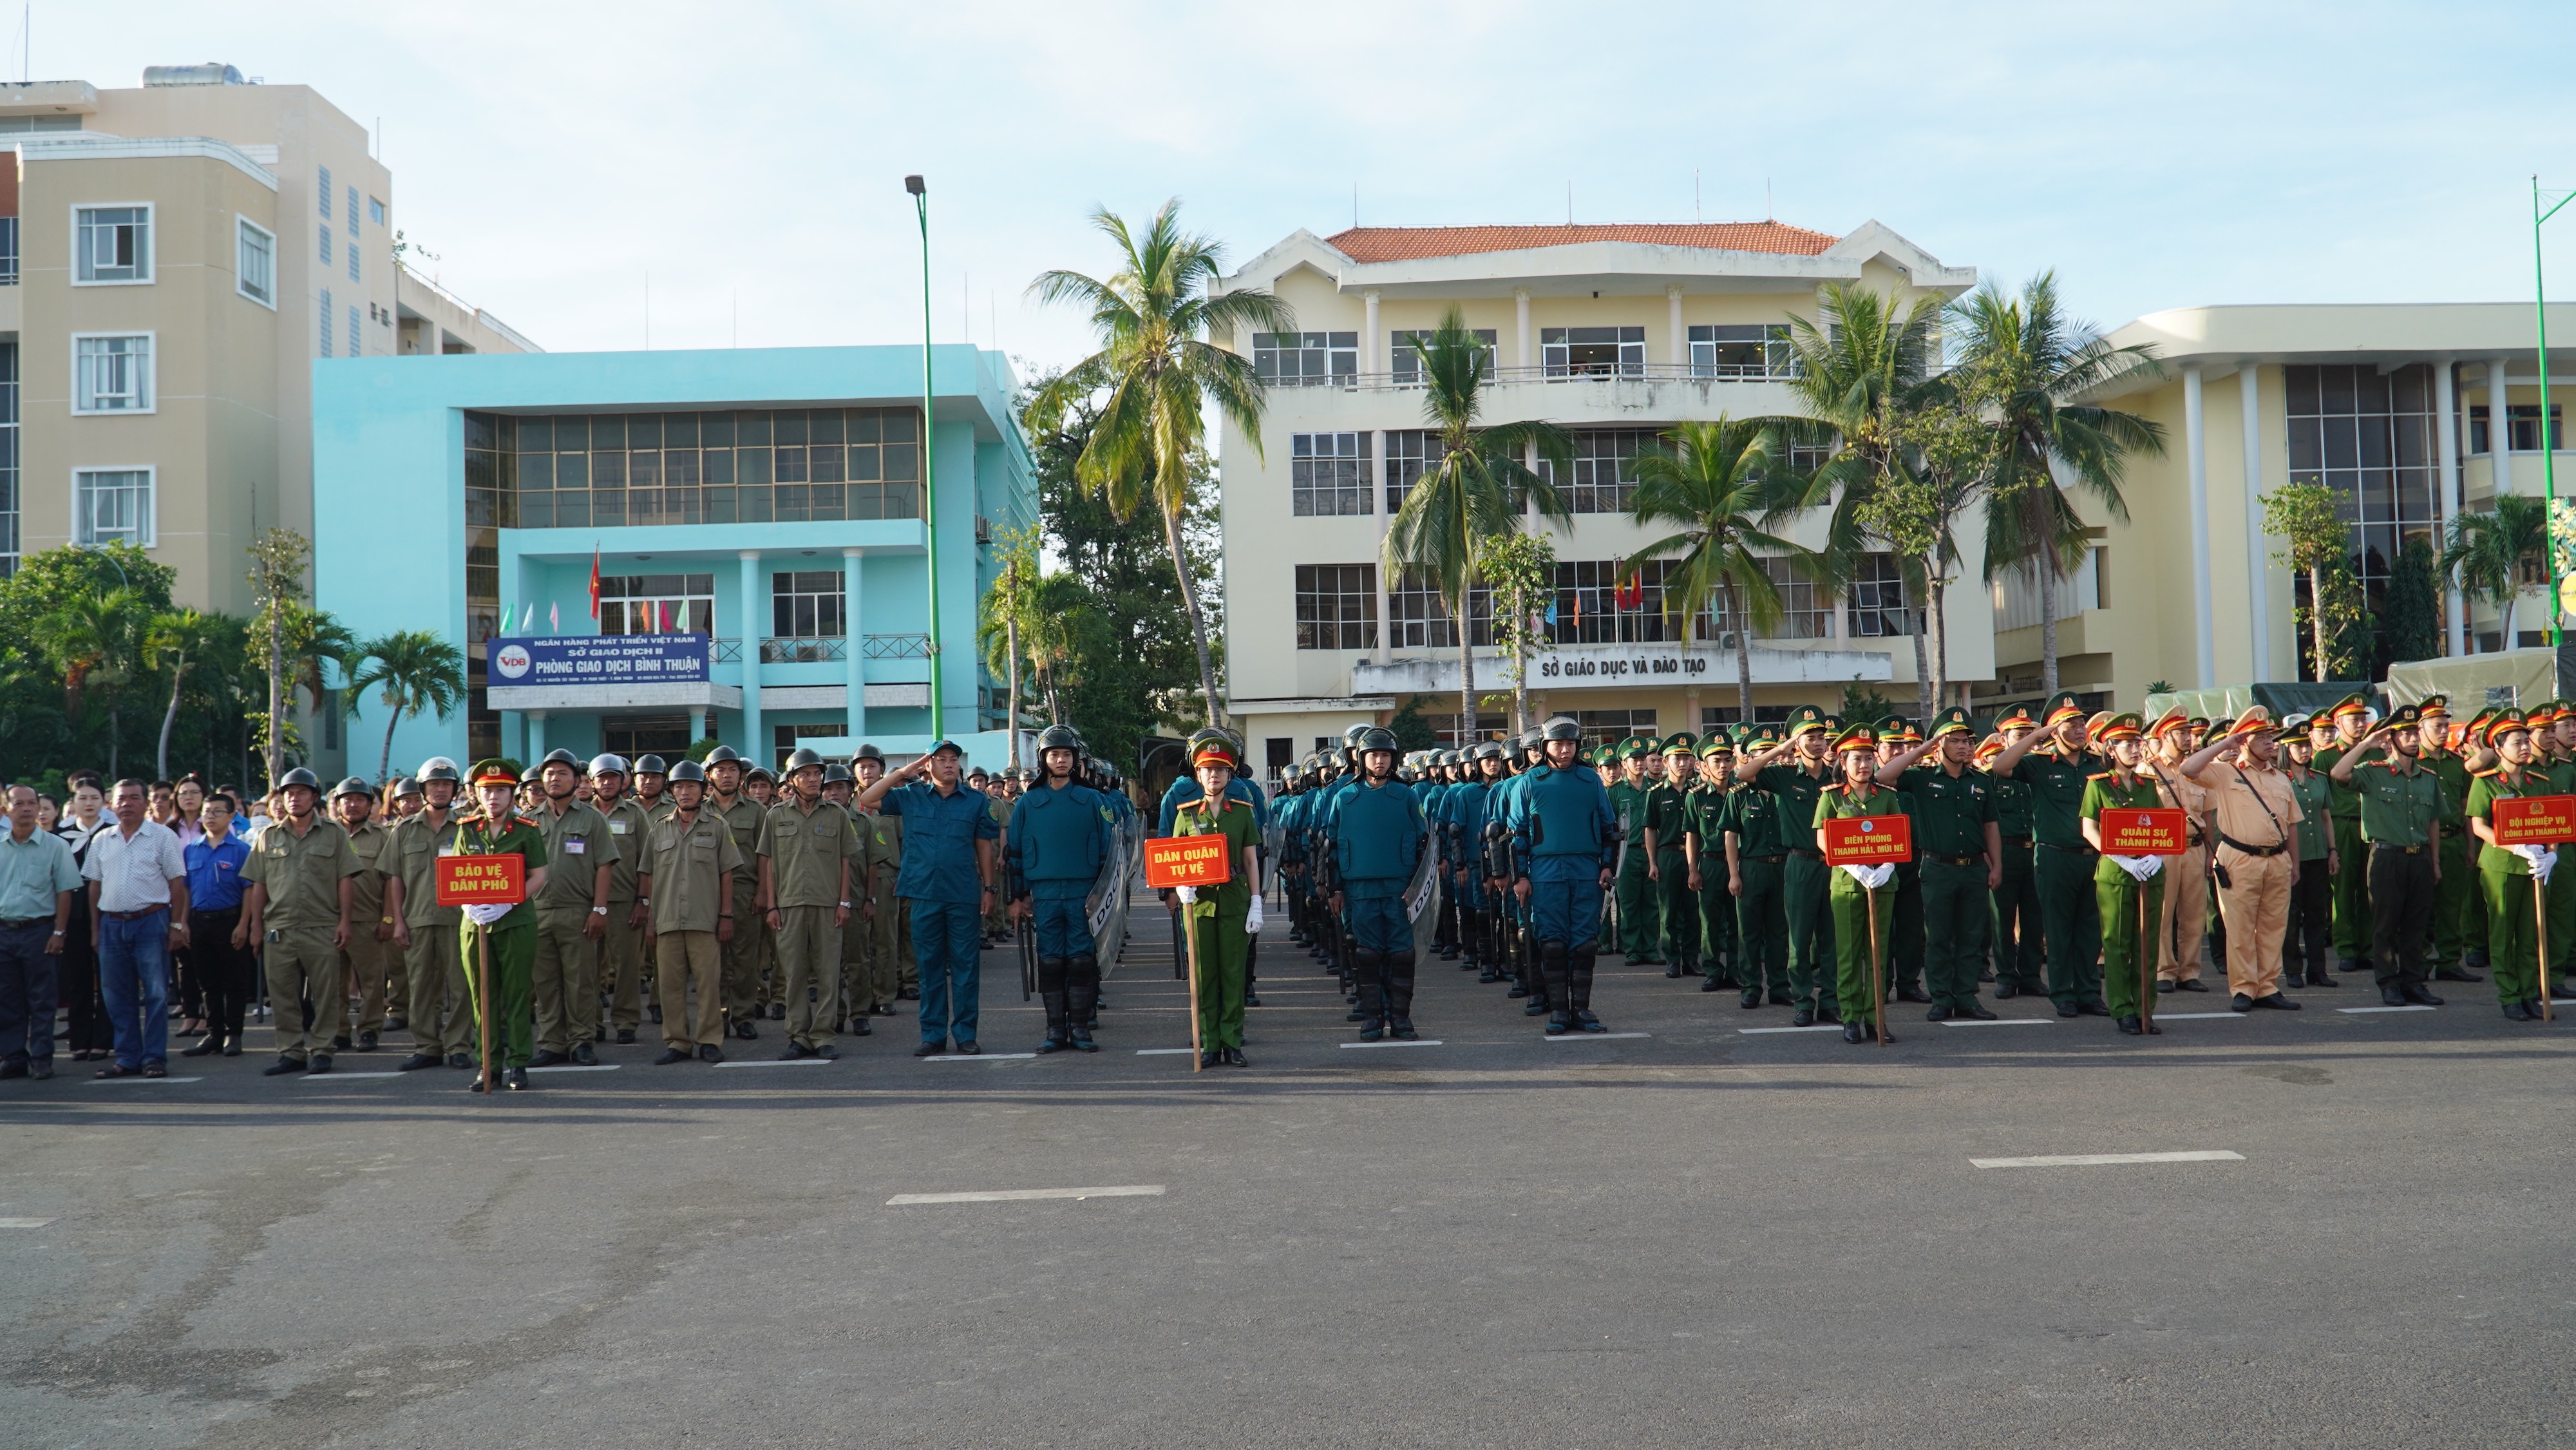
[
  {"x": 228, "y": 975},
  {"x": 2305, "y": 944},
  {"x": 2401, "y": 912},
  {"x": 89, "y": 1030}
]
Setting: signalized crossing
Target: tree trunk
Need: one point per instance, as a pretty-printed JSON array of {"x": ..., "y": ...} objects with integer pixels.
[
  {"x": 1939, "y": 630},
  {"x": 1922, "y": 675},
  {"x": 385, "y": 762},
  {"x": 1011, "y": 641},
  {"x": 169, "y": 717},
  {"x": 1466, "y": 670},
  {"x": 1743, "y": 657},
  {"x": 276, "y": 688},
  {"x": 112, "y": 741},
  {"x": 1190, "y": 601},
  {"x": 2317, "y": 618},
  {"x": 2044, "y": 569},
  {"x": 1520, "y": 666}
]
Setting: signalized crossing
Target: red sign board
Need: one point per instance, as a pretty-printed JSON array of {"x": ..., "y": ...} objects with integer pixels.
[
  {"x": 2153, "y": 832},
  {"x": 482, "y": 880},
  {"x": 2538, "y": 820},
  {"x": 1867, "y": 840},
  {"x": 1186, "y": 861}
]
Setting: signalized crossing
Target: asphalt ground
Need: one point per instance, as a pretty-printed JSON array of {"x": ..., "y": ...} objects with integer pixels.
[{"x": 1697, "y": 1236}]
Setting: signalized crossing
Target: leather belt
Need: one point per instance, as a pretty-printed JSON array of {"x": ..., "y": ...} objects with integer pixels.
[
  {"x": 2225, "y": 839},
  {"x": 2071, "y": 850},
  {"x": 1774, "y": 856},
  {"x": 1803, "y": 851},
  {"x": 134, "y": 915},
  {"x": 24, "y": 922},
  {"x": 2404, "y": 850},
  {"x": 1953, "y": 860},
  {"x": 2016, "y": 840}
]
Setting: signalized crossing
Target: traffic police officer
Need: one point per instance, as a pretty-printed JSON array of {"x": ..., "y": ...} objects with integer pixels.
[
  {"x": 1960, "y": 847},
  {"x": 1060, "y": 842},
  {"x": 511, "y": 930},
  {"x": 298, "y": 901},
  {"x": 571, "y": 915},
  {"x": 1564, "y": 843},
  {"x": 806, "y": 846},
  {"x": 689, "y": 860}
]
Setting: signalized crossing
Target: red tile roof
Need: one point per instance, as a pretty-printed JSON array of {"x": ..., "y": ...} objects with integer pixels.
[{"x": 1404, "y": 244}]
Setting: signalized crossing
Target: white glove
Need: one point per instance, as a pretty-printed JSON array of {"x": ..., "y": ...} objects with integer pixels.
[
  {"x": 1252, "y": 918},
  {"x": 2540, "y": 865},
  {"x": 1189, "y": 895},
  {"x": 1872, "y": 877},
  {"x": 484, "y": 913},
  {"x": 2140, "y": 868}
]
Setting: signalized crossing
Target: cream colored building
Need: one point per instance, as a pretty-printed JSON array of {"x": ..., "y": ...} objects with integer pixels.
[
  {"x": 180, "y": 255},
  {"x": 1616, "y": 333},
  {"x": 2394, "y": 405}
]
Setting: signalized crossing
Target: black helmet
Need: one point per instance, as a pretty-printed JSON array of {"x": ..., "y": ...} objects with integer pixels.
[
  {"x": 529, "y": 775},
  {"x": 759, "y": 772},
  {"x": 688, "y": 770},
  {"x": 836, "y": 774},
  {"x": 299, "y": 776},
  {"x": 722, "y": 754},
  {"x": 1059, "y": 737},
  {"x": 1376, "y": 737},
  {"x": 354, "y": 785},
  {"x": 439, "y": 767},
  {"x": 1561, "y": 729},
  {"x": 1533, "y": 738},
  {"x": 650, "y": 765},
  {"x": 1488, "y": 750},
  {"x": 866, "y": 752},
  {"x": 607, "y": 765},
  {"x": 402, "y": 785},
  {"x": 561, "y": 757},
  {"x": 800, "y": 758}
]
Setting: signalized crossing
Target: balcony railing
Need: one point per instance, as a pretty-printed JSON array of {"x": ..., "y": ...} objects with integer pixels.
[
  {"x": 1554, "y": 373},
  {"x": 810, "y": 650},
  {"x": 803, "y": 650},
  {"x": 897, "y": 647}
]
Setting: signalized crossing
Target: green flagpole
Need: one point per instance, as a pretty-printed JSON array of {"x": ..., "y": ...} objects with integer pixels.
[{"x": 929, "y": 479}]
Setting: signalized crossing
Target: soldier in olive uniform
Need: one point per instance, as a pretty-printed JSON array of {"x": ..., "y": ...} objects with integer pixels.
[
  {"x": 2402, "y": 806},
  {"x": 2350, "y": 719},
  {"x": 807, "y": 847},
  {"x": 2455, "y": 900},
  {"x": 2063, "y": 864},
  {"x": 742, "y": 953},
  {"x": 1749, "y": 871},
  {"x": 1640, "y": 924},
  {"x": 1959, "y": 850},
  {"x": 621, "y": 951},
  {"x": 441, "y": 1017},
  {"x": 297, "y": 902},
  {"x": 2020, "y": 955},
  {"x": 371, "y": 928},
  {"x": 1666, "y": 816},
  {"x": 571, "y": 916},
  {"x": 510, "y": 930},
  {"x": 858, "y": 979},
  {"x": 895, "y": 975},
  {"x": 690, "y": 860},
  {"x": 1704, "y": 852},
  {"x": 1794, "y": 773},
  {"x": 2310, "y": 935}
]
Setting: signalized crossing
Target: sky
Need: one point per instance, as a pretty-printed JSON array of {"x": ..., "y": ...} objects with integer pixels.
[{"x": 742, "y": 164}]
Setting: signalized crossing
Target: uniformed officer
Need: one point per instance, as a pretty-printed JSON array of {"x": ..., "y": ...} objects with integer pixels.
[
  {"x": 689, "y": 858},
  {"x": 2256, "y": 814},
  {"x": 2063, "y": 865},
  {"x": 1378, "y": 838},
  {"x": 1459, "y": 833},
  {"x": 298, "y": 902},
  {"x": 743, "y": 955},
  {"x": 858, "y": 981},
  {"x": 947, "y": 874},
  {"x": 2310, "y": 934},
  {"x": 441, "y": 1016},
  {"x": 2402, "y": 806},
  {"x": 1750, "y": 874},
  {"x": 371, "y": 928},
  {"x": 2020, "y": 954},
  {"x": 1958, "y": 846},
  {"x": 652, "y": 786},
  {"x": 1060, "y": 841},
  {"x": 571, "y": 915},
  {"x": 1640, "y": 924},
  {"x": 511, "y": 930},
  {"x": 2505, "y": 872},
  {"x": 1222, "y": 919},
  {"x": 2456, "y": 928},
  {"x": 1795, "y": 772},
  {"x": 2128, "y": 890},
  {"x": 2184, "y": 879},
  {"x": 895, "y": 975},
  {"x": 621, "y": 951},
  {"x": 805, "y": 847},
  {"x": 2554, "y": 757},
  {"x": 1664, "y": 817},
  {"x": 2350, "y": 719},
  {"x": 1704, "y": 853},
  {"x": 1857, "y": 892},
  {"x": 1564, "y": 843},
  {"x": 1905, "y": 949}
]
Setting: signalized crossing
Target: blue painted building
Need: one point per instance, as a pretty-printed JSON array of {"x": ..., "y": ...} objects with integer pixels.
[{"x": 767, "y": 502}]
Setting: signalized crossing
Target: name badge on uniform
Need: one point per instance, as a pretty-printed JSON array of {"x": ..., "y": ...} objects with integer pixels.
[
  {"x": 574, "y": 846},
  {"x": 618, "y": 828}
]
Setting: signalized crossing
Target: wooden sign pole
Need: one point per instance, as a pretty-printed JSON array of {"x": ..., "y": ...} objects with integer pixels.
[
  {"x": 483, "y": 995},
  {"x": 1190, "y": 929},
  {"x": 2540, "y": 925},
  {"x": 2146, "y": 986},
  {"x": 1877, "y": 994}
]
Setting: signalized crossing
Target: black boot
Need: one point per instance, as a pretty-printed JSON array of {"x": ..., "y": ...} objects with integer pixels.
[
  {"x": 1399, "y": 996},
  {"x": 1579, "y": 987},
  {"x": 1058, "y": 1036},
  {"x": 1555, "y": 972},
  {"x": 1082, "y": 1000}
]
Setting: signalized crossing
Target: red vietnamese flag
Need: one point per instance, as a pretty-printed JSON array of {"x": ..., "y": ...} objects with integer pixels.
[
  {"x": 594, "y": 585},
  {"x": 1632, "y": 592}
]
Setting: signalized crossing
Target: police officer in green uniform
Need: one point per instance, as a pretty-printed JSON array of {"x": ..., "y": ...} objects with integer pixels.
[
  {"x": 2064, "y": 863},
  {"x": 1795, "y": 772},
  {"x": 742, "y": 954},
  {"x": 1667, "y": 813},
  {"x": 2128, "y": 891},
  {"x": 1749, "y": 871},
  {"x": 1640, "y": 926},
  {"x": 2456, "y": 928},
  {"x": 1959, "y": 847},
  {"x": 297, "y": 902},
  {"x": 1852, "y": 898},
  {"x": 2402, "y": 806},
  {"x": 571, "y": 915},
  {"x": 499, "y": 830},
  {"x": 1704, "y": 842},
  {"x": 2504, "y": 872},
  {"x": 2352, "y": 926},
  {"x": 441, "y": 1017},
  {"x": 806, "y": 847}
]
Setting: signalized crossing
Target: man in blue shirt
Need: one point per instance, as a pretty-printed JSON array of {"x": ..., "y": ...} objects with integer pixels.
[
  {"x": 37, "y": 879},
  {"x": 1564, "y": 840},
  {"x": 947, "y": 875},
  {"x": 214, "y": 863}
]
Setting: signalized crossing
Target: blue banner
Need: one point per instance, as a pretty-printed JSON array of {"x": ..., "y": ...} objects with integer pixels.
[{"x": 600, "y": 659}]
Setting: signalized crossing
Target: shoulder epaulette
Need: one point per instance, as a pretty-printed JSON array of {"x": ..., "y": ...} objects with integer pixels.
[{"x": 2105, "y": 775}]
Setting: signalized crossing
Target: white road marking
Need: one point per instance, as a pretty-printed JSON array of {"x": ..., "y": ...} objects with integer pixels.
[
  {"x": 774, "y": 1062},
  {"x": 1998, "y": 1022},
  {"x": 24, "y": 1222},
  {"x": 578, "y": 1067},
  {"x": 2409, "y": 1007},
  {"x": 1165, "y": 1051},
  {"x": 1589, "y": 1036},
  {"x": 2200, "y": 1016},
  {"x": 1758, "y": 1031},
  {"x": 975, "y": 1056},
  {"x": 2085, "y": 1160},
  {"x": 1017, "y": 1195},
  {"x": 328, "y": 1076},
  {"x": 145, "y": 1079},
  {"x": 1395, "y": 1042}
]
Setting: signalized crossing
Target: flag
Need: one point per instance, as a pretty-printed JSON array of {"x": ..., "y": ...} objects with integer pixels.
[
  {"x": 594, "y": 583},
  {"x": 1632, "y": 592},
  {"x": 684, "y": 618},
  {"x": 528, "y": 620},
  {"x": 554, "y": 617}
]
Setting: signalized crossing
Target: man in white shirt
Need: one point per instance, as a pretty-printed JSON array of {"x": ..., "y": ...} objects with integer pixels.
[{"x": 138, "y": 899}]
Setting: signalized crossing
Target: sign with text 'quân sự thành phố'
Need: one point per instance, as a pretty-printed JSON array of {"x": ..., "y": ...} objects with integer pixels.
[
  {"x": 482, "y": 880},
  {"x": 2535, "y": 820},
  {"x": 2156, "y": 831},
  {"x": 1186, "y": 861},
  {"x": 1867, "y": 840}
]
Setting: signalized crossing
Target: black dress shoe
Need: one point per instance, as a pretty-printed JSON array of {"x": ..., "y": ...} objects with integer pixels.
[
  {"x": 2293, "y": 979},
  {"x": 599, "y": 1033},
  {"x": 210, "y": 1046},
  {"x": 2093, "y": 1007},
  {"x": 746, "y": 1031},
  {"x": 931, "y": 1049},
  {"x": 2457, "y": 974},
  {"x": 2006, "y": 991},
  {"x": 474, "y": 1084},
  {"x": 2516, "y": 1012},
  {"x": 1234, "y": 1057},
  {"x": 547, "y": 1058},
  {"x": 1852, "y": 1032},
  {"x": 1780, "y": 998},
  {"x": 827, "y": 1052},
  {"x": 709, "y": 1052},
  {"x": 1402, "y": 1030},
  {"x": 396, "y": 1024},
  {"x": 777, "y": 1011},
  {"x": 1828, "y": 1014},
  {"x": 41, "y": 1069},
  {"x": 1712, "y": 984},
  {"x": 1912, "y": 994},
  {"x": 2129, "y": 1027},
  {"x": 671, "y": 1055},
  {"x": 2191, "y": 984},
  {"x": 967, "y": 1049},
  {"x": 1939, "y": 1013},
  {"x": 1749, "y": 999},
  {"x": 459, "y": 1059},
  {"x": 2240, "y": 1003},
  {"x": 2320, "y": 979},
  {"x": 515, "y": 1079},
  {"x": 796, "y": 1052},
  {"x": 582, "y": 1054},
  {"x": 1213, "y": 1057},
  {"x": 340, "y": 1043},
  {"x": 282, "y": 1067},
  {"x": 1976, "y": 1010},
  {"x": 2277, "y": 1003},
  {"x": 416, "y": 1062},
  {"x": 1672, "y": 969},
  {"x": 656, "y": 1013},
  {"x": 626, "y": 1037},
  {"x": 1804, "y": 1017},
  {"x": 2419, "y": 996},
  {"x": 232, "y": 1046},
  {"x": 366, "y": 1042},
  {"x": 2392, "y": 997},
  {"x": 907, "y": 994}
]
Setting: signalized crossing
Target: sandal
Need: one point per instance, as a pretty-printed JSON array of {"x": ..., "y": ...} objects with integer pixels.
[
  {"x": 112, "y": 1070},
  {"x": 154, "y": 1069}
]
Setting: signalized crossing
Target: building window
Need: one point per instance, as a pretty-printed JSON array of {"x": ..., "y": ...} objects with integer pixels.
[
  {"x": 1409, "y": 452},
  {"x": 1756, "y": 350},
  {"x": 634, "y": 735},
  {"x": 353, "y": 261},
  {"x": 1609, "y": 727},
  {"x": 112, "y": 244},
  {"x": 1328, "y": 474},
  {"x": 324, "y": 311},
  {"x": 255, "y": 262},
  {"x": 325, "y": 231},
  {"x": 1418, "y": 618},
  {"x": 657, "y": 604},
  {"x": 322, "y": 193},
  {"x": 9, "y": 496},
  {"x": 807, "y": 604},
  {"x": 1306, "y": 359},
  {"x": 1337, "y": 606},
  {"x": 786, "y": 738},
  {"x": 1715, "y": 717},
  {"x": 1875, "y": 604},
  {"x": 1444, "y": 728},
  {"x": 1584, "y": 352},
  {"x": 112, "y": 374},
  {"x": 352, "y": 212},
  {"x": 2522, "y": 428},
  {"x": 774, "y": 465},
  {"x": 375, "y": 211},
  {"x": 1279, "y": 752},
  {"x": 1605, "y": 469},
  {"x": 357, "y": 334},
  {"x": 2370, "y": 436},
  {"x": 8, "y": 251},
  {"x": 1408, "y": 358},
  {"x": 112, "y": 505},
  {"x": 1589, "y": 609}
]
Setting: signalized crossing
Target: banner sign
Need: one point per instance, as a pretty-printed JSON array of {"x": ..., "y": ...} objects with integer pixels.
[
  {"x": 600, "y": 659},
  {"x": 482, "y": 880},
  {"x": 1186, "y": 861},
  {"x": 2538, "y": 820},
  {"x": 1867, "y": 840},
  {"x": 2157, "y": 832}
]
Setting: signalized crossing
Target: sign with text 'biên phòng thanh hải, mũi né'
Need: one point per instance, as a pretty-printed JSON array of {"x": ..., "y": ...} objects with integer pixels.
[{"x": 1867, "y": 840}]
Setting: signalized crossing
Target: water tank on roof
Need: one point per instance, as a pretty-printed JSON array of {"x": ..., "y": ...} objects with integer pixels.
[{"x": 212, "y": 73}]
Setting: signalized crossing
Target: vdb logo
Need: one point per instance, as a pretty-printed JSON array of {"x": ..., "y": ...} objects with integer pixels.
[
  {"x": 512, "y": 661},
  {"x": 1869, "y": 828}
]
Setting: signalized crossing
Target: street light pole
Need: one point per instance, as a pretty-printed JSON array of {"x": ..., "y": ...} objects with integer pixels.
[
  {"x": 929, "y": 475},
  {"x": 2548, "y": 443}
]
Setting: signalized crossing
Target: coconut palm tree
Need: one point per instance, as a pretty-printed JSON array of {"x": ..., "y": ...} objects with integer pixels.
[
  {"x": 96, "y": 641},
  {"x": 1474, "y": 487},
  {"x": 179, "y": 641},
  {"x": 2029, "y": 362},
  {"x": 1159, "y": 324},
  {"x": 2493, "y": 552},
  {"x": 411, "y": 670},
  {"x": 1722, "y": 490},
  {"x": 1008, "y": 604}
]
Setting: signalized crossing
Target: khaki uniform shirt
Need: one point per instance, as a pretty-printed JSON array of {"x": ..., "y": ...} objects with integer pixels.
[
  {"x": 885, "y": 852},
  {"x": 301, "y": 875},
  {"x": 806, "y": 850},
  {"x": 687, "y": 864},
  {"x": 743, "y": 819},
  {"x": 628, "y": 825},
  {"x": 661, "y": 807},
  {"x": 577, "y": 841},
  {"x": 372, "y": 844},
  {"x": 2190, "y": 798},
  {"x": 417, "y": 845},
  {"x": 2242, "y": 815}
]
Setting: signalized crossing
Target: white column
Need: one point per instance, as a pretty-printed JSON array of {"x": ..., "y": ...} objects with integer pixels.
[
  {"x": 1368, "y": 337},
  {"x": 754, "y": 614},
  {"x": 1378, "y": 478},
  {"x": 854, "y": 672},
  {"x": 1520, "y": 302},
  {"x": 2499, "y": 435},
  {"x": 536, "y": 734},
  {"x": 2453, "y": 497},
  {"x": 697, "y": 725},
  {"x": 2258, "y": 561},
  {"x": 2204, "y": 634},
  {"x": 1681, "y": 355}
]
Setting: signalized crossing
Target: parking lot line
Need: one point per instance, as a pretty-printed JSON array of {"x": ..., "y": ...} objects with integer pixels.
[
  {"x": 1590, "y": 1036},
  {"x": 1999, "y": 1022},
  {"x": 774, "y": 1062},
  {"x": 2409, "y": 1007},
  {"x": 1759, "y": 1031},
  {"x": 24, "y": 1222},
  {"x": 1019, "y": 1195},
  {"x": 2087, "y": 1160},
  {"x": 107, "y": 1081},
  {"x": 974, "y": 1056},
  {"x": 1394, "y": 1042}
]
